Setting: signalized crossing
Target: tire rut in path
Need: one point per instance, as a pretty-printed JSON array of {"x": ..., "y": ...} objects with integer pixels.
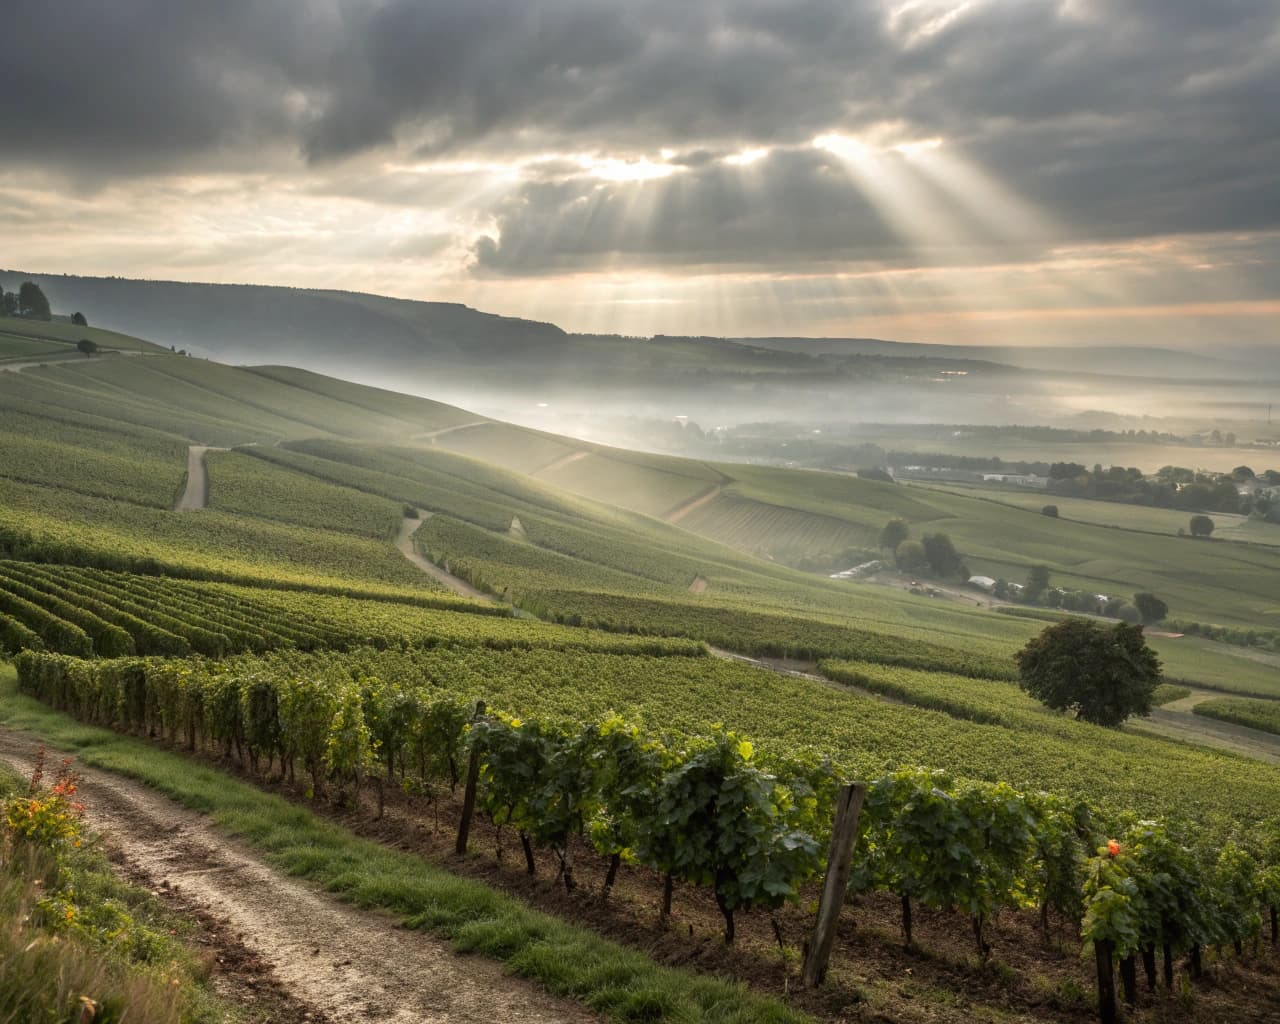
[{"x": 350, "y": 964}]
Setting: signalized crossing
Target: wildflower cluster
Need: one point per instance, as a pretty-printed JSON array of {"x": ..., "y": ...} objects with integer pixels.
[{"x": 49, "y": 819}]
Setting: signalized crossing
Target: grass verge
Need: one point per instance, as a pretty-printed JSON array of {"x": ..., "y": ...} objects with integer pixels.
[
  {"x": 77, "y": 943},
  {"x": 620, "y": 984}
]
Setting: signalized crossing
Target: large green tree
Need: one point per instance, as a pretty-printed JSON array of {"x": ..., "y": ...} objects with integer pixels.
[{"x": 1104, "y": 674}]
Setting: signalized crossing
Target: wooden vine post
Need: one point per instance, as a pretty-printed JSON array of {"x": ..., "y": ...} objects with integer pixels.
[
  {"x": 469, "y": 794},
  {"x": 1104, "y": 953},
  {"x": 844, "y": 835}
]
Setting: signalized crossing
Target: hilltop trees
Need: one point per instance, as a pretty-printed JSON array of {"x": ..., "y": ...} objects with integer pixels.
[
  {"x": 1102, "y": 674},
  {"x": 32, "y": 303},
  {"x": 910, "y": 555},
  {"x": 28, "y": 301}
]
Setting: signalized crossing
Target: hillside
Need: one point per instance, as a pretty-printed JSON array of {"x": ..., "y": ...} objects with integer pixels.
[
  {"x": 265, "y": 564},
  {"x": 499, "y": 363}
]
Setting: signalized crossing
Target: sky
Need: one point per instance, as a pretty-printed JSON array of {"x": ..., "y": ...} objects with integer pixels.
[{"x": 1002, "y": 171}]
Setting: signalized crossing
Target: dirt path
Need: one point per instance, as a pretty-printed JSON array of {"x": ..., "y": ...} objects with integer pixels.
[
  {"x": 1209, "y": 732},
  {"x": 681, "y": 511},
  {"x": 431, "y": 435},
  {"x": 351, "y": 965},
  {"x": 560, "y": 463},
  {"x": 197, "y": 493},
  {"x": 404, "y": 543},
  {"x": 59, "y": 357}
]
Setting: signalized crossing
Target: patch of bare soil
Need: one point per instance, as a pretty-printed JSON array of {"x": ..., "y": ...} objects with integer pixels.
[
  {"x": 325, "y": 958},
  {"x": 698, "y": 586}
]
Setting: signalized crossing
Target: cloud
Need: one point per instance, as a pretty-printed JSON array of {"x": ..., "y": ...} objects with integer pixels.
[{"x": 530, "y": 140}]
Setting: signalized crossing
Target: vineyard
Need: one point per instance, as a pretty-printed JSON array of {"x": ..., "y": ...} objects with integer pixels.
[
  {"x": 707, "y": 810},
  {"x": 575, "y": 675},
  {"x": 1255, "y": 714},
  {"x": 83, "y": 612},
  {"x": 776, "y": 531},
  {"x": 248, "y": 486}
]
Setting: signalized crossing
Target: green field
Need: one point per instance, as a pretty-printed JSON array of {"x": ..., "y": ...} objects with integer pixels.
[
  {"x": 1119, "y": 515},
  {"x": 18, "y": 348},
  {"x": 1256, "y": 714},
  {"x": 62, "y": 336}
]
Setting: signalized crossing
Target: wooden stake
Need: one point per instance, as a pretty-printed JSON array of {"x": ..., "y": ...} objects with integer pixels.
[
  {"x": 1103, "y": 951},
  {"x": 844, "y": 835}
]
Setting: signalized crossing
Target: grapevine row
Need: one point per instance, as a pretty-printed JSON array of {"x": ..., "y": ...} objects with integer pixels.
[{"x": 704, "y": 811}]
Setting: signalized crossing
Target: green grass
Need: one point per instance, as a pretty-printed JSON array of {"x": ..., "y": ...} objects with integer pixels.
[
  {"x": 620, "y": 984},
  {"x": 123, "y": 949},
  {"x": 65, "y": 335},
  {"x": 514, "y": 448},
  {"x": 1256, "y": 714},
  {"x": 16, "y": 348},
  {"x": 1216, "y": 667}
]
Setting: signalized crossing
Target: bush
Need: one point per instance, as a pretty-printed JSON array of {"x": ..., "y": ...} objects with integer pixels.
[
  {"x": 1201, "y": 526},
  {"x": 1050, "y": 510}
]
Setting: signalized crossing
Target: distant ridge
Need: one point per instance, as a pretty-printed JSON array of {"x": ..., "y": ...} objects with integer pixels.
[
  {"x": 239, "y": 321},
  {"x": 429, "y": 346},
  {"x": 1123, "y": 360}
]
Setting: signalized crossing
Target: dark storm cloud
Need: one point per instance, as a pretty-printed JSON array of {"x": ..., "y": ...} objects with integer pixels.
[
  {"x": 797, "y": 201},
  {"x": 1112, "y": 116}
]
